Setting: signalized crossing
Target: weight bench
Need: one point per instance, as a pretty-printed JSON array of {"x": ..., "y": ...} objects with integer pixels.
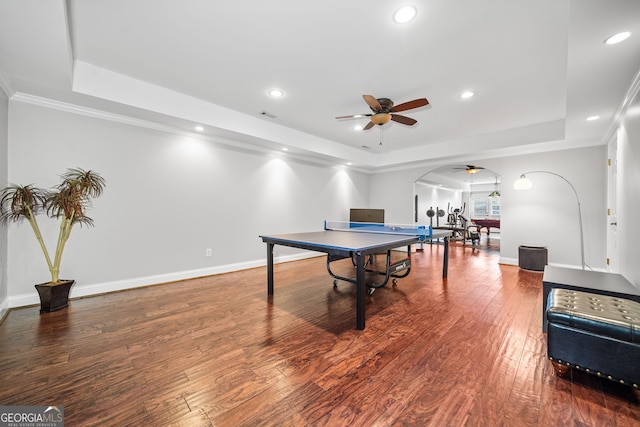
[{"x": 598, "y": 334}]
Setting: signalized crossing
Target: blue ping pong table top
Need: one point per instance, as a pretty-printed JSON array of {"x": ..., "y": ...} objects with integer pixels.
[{"x": 420, "y": 231}]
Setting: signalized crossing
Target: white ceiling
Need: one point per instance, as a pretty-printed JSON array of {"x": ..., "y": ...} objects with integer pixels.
[{"x": 539, "y": 69}]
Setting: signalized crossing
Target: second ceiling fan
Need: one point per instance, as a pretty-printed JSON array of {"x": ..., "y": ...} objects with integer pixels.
[
  {"x": 470, "y": 169},
  {"x": 383, "y": 111}
]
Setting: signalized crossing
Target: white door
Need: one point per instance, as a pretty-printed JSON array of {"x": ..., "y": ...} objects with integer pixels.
[{"x": 612, "y": 206}]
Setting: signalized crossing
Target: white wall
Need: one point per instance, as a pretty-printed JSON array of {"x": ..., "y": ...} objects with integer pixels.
[
  {"x": 168, "y": 198},
  {"x": 432, "y": 197},
  {"x": 628, "y": 193},
  {"x": 547, "y": 215},
  {"x": 544, "y": 216},
  {"x": 4, "y": 147},
  {"x": 394, "y": 192}
]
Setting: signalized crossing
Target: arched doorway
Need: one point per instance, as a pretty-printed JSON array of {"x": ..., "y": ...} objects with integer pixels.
[{"x": 465, "y": 198}]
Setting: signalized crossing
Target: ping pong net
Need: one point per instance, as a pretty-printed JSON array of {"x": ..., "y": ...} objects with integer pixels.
[{"x": 420, "y": 231}]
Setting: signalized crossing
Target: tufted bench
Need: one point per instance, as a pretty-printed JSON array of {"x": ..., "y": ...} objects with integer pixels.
[{"x": 598, "y": 334}]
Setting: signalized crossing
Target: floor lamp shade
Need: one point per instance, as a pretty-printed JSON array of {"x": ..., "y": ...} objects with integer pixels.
[{"x": 523, "y": 183}]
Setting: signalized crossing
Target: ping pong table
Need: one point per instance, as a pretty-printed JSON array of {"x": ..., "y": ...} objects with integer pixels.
[{"x": 360, "y": 242}]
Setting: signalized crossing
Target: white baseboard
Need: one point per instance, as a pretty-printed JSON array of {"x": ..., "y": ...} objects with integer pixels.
[
  {"x": 508, "y": 261},
  {"x": 514, "y": 261},
  {"x": 79, "y": 291}
]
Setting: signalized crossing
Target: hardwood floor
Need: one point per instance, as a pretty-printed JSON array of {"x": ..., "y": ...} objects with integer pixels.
[{"x": 216, "y": 351}]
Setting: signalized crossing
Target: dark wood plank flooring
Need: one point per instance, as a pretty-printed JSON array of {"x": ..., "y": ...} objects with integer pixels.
[{"x": 216, "y": 351}]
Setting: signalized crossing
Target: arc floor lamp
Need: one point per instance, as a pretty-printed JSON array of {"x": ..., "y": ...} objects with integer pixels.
[{"x": 524, "y": 183}]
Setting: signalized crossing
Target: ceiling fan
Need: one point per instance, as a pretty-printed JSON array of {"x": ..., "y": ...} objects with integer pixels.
[
  {"x": 470, "y": 169},
  {"x": 384, "y": 111}
]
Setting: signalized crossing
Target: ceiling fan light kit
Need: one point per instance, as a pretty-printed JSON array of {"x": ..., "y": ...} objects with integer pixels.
[{"x": 380, "y": 118}]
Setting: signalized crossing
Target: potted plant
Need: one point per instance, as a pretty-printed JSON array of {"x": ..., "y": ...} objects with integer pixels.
[{"x": 67, "y": 202}]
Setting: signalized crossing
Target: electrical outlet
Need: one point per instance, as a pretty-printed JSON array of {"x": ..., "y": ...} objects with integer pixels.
[{"x": 207, "y": 252}]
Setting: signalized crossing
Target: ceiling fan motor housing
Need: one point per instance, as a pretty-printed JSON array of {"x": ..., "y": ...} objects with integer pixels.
[{"x": 385, "y": 105}]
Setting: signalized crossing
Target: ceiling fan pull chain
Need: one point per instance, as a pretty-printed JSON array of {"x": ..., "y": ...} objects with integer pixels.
[{"x": 380, "y": 126}]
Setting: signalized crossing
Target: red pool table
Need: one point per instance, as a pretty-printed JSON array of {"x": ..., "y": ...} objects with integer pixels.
[{"x": 486, "y": 223}]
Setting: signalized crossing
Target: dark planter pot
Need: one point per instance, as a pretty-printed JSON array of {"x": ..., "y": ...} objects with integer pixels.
[
  {"x": 54, "y": 297},
  {"x": 532, "y": 258}
]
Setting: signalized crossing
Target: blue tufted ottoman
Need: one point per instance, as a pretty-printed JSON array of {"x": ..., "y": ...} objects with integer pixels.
[{"x": 598, "y": 334}]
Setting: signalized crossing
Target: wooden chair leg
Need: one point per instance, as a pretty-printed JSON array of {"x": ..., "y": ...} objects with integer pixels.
[{"x": 560, "y": 370}]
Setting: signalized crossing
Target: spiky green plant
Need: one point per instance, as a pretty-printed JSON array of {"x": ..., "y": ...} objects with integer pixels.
[{"x": 68, "y": 202}]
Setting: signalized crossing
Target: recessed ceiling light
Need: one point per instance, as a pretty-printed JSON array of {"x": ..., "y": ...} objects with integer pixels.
[
  {"x": 592, "y": 118},
  {"x": 199, "y": 128},
  {"x": 285, "y": 149},
  {"x": 466, "y": 95},
  {"x": 405, "y": 14},
  {"x": 618, "y": 37},
  {"x": 349, "y": 163},
  {"x": 357, "y": 128},
  {"x": 276, "y": 93}
]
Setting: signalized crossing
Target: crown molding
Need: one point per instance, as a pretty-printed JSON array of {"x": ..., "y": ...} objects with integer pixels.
[
  {"x": 631, "y": 94},
  {"x": 132, "y": 121},
  {"x": 91, "y": 112}
]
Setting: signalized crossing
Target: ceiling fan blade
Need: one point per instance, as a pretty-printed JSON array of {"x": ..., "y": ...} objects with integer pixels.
[
  {"x": 372, "y": 102},
  {"x": 403, "y": 119},
  {"x": 421, "y": 102},
  {"x": 368, "y": 126},
  {"x": 354, "y": 116}
]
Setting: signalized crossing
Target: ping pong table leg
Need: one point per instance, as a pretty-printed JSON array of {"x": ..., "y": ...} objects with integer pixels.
[
  {"x": 270, "y": 268},
  {"x": 360, "y": 291},
  {"x": 445, "y": 262}
]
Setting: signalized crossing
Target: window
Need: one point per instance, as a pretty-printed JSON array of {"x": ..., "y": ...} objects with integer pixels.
[
  {"x": 480, "y": 207},
  {"x": 483, "y": 206}
]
